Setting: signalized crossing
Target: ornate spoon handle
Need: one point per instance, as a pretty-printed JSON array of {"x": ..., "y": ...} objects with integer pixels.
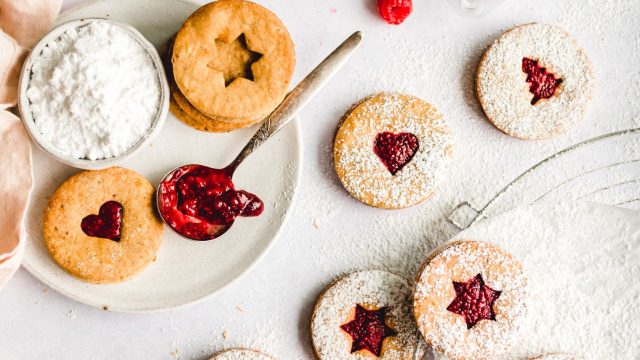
[{"x": 299, "y": 97}]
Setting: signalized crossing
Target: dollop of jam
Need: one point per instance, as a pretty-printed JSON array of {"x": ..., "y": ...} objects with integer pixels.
[
  {"x": 542, "y": 84},
  {"x": 107, "y": 224},
  {"x": 474, "y": 301},
  {"x": 201, "y": 203},
  {"x": 368, "y": 330},
  {"x": 395, "y": 150}
]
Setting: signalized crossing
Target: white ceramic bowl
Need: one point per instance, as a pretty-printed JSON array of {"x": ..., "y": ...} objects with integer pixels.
[{"x": 36, "y": 135}]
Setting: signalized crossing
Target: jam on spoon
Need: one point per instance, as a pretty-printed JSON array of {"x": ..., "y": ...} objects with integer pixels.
[{"x": 201, "y": 203}]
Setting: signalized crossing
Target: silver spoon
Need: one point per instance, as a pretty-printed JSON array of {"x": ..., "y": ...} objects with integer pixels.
[{"x": 287, "y": 110}]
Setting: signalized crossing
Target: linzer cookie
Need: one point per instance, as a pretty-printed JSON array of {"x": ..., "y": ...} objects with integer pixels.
[
  {"x": 365, "y": 314},
  {"x": 101, "y": 227},
  {"x": 391, "y": 150},
  {"x": 470, "y": 300},
  {"x": 233, "y": 61},
  {"x": 185, "y": 112},
  {"x": 535, "y": 82},
  {"x": 240, "y": 354}
]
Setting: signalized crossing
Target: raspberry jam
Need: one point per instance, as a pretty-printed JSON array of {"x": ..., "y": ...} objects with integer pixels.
[
  {"x": 395, "y": 150},
  {"x": 201, "y": 203},
  {"x": 474, "y": 301},
  {"x": 368, "y": 330},
  {"x": 542, "y": 84},
  {"x": 107, "y": 224}
]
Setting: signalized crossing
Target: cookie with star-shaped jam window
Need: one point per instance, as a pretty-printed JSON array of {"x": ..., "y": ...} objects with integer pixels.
[
  {"x": 535, "y": 82},
  {"x": 366, "y": 314},
  {"x": 470, "y": 300},
  {"x": 233, "y": 61},
  {"x": 391, "y": 150}
]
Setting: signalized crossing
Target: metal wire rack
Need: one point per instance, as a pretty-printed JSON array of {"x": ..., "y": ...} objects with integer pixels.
[{"x": 604, "y": 169}]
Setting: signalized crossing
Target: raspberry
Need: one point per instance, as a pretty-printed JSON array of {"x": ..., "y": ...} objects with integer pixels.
[{"x": 395, "y": 11}]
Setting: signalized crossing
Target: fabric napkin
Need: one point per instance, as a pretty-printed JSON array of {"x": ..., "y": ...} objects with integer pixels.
[{"x": 22, "y": 24}]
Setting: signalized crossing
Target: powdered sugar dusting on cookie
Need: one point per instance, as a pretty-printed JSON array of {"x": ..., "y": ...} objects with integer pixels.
[
  {"x": 446, "y": 331},
  {"x": 365, "y": 176},
  {"x": 504, "y": 92},
  {"x": 373, "y": 288}
]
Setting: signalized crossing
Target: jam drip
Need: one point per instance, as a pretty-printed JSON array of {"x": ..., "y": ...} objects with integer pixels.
[
  {"x": 201, "y": 203},
  {"x": 107, "y": 224},
  {"x": 368, "y": 330},
  {"x": 542, "y": 84},
  {"x": 396, "y": 150},
  {"x": 474, "y": 301}
]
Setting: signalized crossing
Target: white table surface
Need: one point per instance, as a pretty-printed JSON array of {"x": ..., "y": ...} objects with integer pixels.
[{"x": 432, "y": 55}]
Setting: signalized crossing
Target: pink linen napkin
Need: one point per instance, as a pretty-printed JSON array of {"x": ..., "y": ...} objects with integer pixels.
[
  {"x": 22, "y": 24},
  {"x": 28, "y": 20}
]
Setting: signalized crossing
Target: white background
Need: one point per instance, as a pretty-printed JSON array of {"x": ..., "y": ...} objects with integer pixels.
[{"x": 433, "y": 56}]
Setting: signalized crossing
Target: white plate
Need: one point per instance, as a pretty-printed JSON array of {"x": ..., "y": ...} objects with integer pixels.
[
  {"x": 185, "y": 271},
  {"x": 583, "y": 264}
]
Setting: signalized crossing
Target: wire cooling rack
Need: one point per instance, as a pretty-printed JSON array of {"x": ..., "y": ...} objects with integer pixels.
[{"x": 604, "y": 169}]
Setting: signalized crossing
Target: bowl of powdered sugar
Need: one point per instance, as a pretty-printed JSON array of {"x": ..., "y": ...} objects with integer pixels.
[{"x": 93, "y": 92}]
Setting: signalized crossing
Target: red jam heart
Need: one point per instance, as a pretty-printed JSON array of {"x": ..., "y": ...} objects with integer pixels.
[
  {"x": 201, "y": 203},
  {"x": 474, "y": 301},
  {"x": 107, "y": 224},
  {"x": 542, "y": 84},
  {"x": 396, "y": 150},
  {"x": 368, "y": 330}
]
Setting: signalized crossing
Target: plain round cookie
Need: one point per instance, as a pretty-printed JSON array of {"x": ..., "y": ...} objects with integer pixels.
[
  {"x": 558, "y": 356},
  {"x": 448, "y": 332},
  {"x": 503, "y": 91},
  {"x": 240, "y": 354},
  {"x": 363, "y": 173},
  {"x": 195, "y": 50},
  {"x": 372, "y": 289},
  {"x": 99, "y": 260}
]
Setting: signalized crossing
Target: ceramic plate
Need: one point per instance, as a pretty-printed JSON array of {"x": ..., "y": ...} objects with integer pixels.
[{"x": 185, "y": 271}]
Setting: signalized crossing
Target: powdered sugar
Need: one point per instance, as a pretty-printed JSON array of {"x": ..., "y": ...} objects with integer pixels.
[
  {"x": 504, "y": 93},
  {"x": 582, "y": 264},
  {"x": 373, "y": 288},
  {"x": 94, "y": 92}
]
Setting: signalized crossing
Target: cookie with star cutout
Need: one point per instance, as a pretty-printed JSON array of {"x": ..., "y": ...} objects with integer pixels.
[
  {"x": 470, "y": 300},
  {"x": 101, "y": 226},
  {"x": 240, "y": 354},
  {"x": 233, "y": 60},
  {"x": 182, "y": 109},
  {"x": 391, "y": 150},
  {"x": 535, "y": 82},
  {"x": 366, "y": 314}
]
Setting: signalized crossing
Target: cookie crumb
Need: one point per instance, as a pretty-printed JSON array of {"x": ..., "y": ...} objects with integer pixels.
[
  {"x": 225, "y": 334},
  {"x": 105, "y": 307}
]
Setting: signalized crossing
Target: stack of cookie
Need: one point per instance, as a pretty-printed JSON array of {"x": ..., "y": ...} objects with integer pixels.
[{"x": 229, "y": 66}]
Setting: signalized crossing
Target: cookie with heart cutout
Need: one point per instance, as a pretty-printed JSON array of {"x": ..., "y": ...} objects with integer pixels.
[
  {"x": 366, "y": 314},
  {"x": 101, "y": 227},
  {"x": 234, "y": 60},
  {"x": 391, "y": 150},
  {"x": 240, "y": 354},
  {"x": 535, "y": 82},
  {"x": 470, "y": 300}
]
